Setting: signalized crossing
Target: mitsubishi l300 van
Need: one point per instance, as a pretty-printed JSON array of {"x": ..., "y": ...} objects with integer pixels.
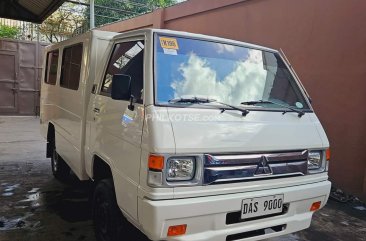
[{"x": 187, "y": 137}]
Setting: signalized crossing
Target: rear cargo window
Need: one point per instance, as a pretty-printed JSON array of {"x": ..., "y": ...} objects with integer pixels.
[
  {"x": 127, "y": 58},
  {"x": 71, "y": 66},
  {"x": 51, "y": 67}
]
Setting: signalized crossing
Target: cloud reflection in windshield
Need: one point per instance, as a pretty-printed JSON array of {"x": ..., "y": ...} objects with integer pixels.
[{"x": 247, "y": 81}]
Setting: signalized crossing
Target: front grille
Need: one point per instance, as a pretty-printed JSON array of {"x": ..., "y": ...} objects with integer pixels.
[
  {"x": 235, "y": 217},
  {"x": 255, "y": 233},
  {"x": 238, "y": 168}
]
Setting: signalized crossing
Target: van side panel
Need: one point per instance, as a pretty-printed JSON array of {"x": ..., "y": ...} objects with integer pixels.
[
  {"x": 64, "y": 108},
  {"x": 67, "y": 109}
]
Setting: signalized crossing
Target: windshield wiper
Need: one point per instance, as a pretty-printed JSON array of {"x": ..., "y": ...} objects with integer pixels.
[
  {"x": 193, "y": 100},
  {"x": 299, "y": 112},
  {"x": 198, "y": 100},
  {"x": 244, "y": 112}
]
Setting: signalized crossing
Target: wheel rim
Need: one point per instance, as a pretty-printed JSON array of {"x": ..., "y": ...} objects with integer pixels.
[{"x": 55, "y": 161}]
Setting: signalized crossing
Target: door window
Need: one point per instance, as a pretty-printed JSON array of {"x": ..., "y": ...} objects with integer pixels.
[
  {"x": 128, "y": 59},
  {"x": 71, "y": 67},
  {"x": 51, "y": 67}
]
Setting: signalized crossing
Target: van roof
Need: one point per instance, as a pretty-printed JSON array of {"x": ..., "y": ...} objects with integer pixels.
[
  {"x": 191, "y": 35},
  {"x": 92, "y": 33},
  {"x": 113, "y": 35}
]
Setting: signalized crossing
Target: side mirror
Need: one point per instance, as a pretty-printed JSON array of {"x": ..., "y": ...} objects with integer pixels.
[{"x": 121, "y": 87}]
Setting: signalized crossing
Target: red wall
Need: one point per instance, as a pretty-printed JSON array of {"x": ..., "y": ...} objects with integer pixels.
[{"x": 324, "y": 40}]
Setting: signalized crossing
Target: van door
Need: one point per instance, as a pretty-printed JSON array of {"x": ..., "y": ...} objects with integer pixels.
[{"x": 116, "y": 130}]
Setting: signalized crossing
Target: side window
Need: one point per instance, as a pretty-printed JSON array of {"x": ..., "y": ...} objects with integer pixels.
[
  {"x": 51, "y": 67},
  {"x": 71, "y": 66},
  {"x": 127, "y": 58}
]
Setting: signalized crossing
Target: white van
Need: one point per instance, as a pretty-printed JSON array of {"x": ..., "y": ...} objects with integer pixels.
[{"x": 191, "y": 137}]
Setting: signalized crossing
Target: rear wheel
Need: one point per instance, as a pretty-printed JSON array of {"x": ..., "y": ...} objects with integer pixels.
[{"x": 59, "y": 167}]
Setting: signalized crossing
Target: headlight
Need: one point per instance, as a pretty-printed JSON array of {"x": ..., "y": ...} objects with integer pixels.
[
  {"x": 180, "y": 168},
  {"x": 316, "y": 162}
]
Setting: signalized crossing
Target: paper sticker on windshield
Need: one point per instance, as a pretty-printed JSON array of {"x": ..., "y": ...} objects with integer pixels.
[
  {"x": 170, "y": 51},
  {"x": 169, "y": 43}
]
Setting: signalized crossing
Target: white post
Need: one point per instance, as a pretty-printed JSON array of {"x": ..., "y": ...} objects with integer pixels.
[{"x": 92, "y": 19}]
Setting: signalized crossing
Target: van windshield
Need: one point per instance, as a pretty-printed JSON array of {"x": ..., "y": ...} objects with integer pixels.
[{"x": 191, "y": 68}]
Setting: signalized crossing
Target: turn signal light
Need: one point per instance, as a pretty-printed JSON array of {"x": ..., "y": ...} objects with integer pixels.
[
  {"x": 327, "y": 154},
  {"x": 177, "y": 230},
  {"x": 156, "y": 162},
  {"x": 315, "y": 206}
]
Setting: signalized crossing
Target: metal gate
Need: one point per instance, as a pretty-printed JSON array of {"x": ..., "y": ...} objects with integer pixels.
[{"x": 20, "y": 75}]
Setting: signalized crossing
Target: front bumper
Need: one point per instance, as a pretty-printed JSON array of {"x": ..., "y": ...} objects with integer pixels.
[{"x": 206, "y": 216}]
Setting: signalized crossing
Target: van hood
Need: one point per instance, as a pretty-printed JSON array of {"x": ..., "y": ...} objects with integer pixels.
[{"x": 212, "y": 131}]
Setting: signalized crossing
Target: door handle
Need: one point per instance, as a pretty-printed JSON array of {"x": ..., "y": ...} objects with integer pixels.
[
  {"x": 94, "y": 89},
  {"x": 96, "y": 110}
]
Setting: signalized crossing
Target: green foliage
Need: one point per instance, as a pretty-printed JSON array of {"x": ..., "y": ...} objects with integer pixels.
[
  {"x": 62, "y": 23},
  {"x": 107, "y": 11},
  {"x": 160, "y": 3},
  {"x": 8, "y": 31}
]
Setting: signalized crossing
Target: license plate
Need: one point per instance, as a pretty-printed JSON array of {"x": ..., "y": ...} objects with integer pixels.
[{"x": 261, "y": 206}]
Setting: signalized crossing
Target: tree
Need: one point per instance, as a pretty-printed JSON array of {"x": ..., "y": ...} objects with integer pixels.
[
  {"x": 62, "y": 23},
  {"x": 9, "y": 31},
  {"x": 107, "y": 11},
  {"x": 72, "y": 18},
  {"x": 160, "y": 3}
]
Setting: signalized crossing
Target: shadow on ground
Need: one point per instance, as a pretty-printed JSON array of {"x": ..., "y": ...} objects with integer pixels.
[{"x": 34, "y": 206}]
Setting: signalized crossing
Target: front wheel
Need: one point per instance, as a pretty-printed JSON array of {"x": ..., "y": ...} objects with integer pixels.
[
  {"x": 109, "y": 222},
  {"x": 59, "y": 167},
  {"x": 106, "y": 214}
]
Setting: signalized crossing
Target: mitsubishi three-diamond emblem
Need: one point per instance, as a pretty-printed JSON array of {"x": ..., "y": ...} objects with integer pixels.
[{"x": 263, "y": 167}]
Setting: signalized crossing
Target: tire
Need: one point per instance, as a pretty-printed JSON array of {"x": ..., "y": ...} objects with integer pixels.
[
  {"x": 107, "y": 217},
  {"x": 60, "y": 169}
]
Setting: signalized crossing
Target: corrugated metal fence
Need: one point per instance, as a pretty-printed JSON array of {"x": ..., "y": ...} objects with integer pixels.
[{"x": 20, "y": 75}]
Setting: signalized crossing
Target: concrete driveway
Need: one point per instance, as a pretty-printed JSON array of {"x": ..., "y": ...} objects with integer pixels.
[{"x": 36, "y": 207}]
